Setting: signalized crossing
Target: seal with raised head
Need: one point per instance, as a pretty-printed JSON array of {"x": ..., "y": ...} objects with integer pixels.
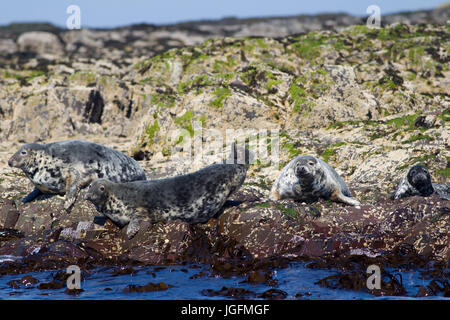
[
  {"x": 307, "y": 178},
  {"x": 195, "y": 197},
  {"x": 66, "y": 167},
  {"x": 418, "y": 182}
]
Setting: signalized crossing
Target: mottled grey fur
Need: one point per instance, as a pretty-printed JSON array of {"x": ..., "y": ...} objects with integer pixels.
[
  {"x": 417, "y": 182},
  {"x": 307, "y": 178},
  {"x": 68, "y": 166},
  {"x": 194, "y": 197}
]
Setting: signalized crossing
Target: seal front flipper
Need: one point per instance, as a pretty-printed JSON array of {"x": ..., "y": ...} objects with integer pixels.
[
  {"x": 72, "y": 189},
  {"x": 135, "y": 223},
  {"x": 403, "y": 190},
  {"x": 32, "y": 195}
]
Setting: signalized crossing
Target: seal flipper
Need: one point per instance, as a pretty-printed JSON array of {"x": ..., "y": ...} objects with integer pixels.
[
  {"x": 32, "y": 195},
  {"x": 135, "y": 223},
  {"x": 442, "y": 190},
  {"x": 403, "y": 190},
  {"x": 72, "y": 189},
  {"x": 133, "y": 228},
  {"x": 337, "y": 195}
]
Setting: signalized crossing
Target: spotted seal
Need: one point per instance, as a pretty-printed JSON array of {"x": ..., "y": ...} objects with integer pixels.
[
  {"x": 418, "y": 182},
  {"x": 193, "y": 197},
  {"x": 66, "y": 167},
  {"x": 307, "y": 178}
]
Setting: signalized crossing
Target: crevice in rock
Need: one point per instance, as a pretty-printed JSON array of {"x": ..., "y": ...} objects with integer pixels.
[{"x": 94, "y": 107}]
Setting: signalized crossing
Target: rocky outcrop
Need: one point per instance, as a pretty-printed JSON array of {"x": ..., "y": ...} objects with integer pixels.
[
  {"x": 256, "y": 230},
  {"x": 370, "y": 102},
  {"x": 40, "y": 43}
]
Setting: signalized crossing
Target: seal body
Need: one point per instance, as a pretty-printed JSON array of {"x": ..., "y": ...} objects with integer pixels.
[
  {"x": 68, "y": 166},
  {"x": 193, "y": 197},
  {"x": 307, "y": 178},
  {"x": 418, "y": 182}
]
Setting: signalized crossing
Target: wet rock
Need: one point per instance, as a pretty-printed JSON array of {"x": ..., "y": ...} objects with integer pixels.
[
  {"x": 73, "y": 292},
  {"x": 274, "y": 294},
  {"x": 357, "y": 281},
  {"x": 260, "y": 230},
  {"x": 14, "y": 284},
  {"x": 28, "y": 280},
  {"x": 161, "y": 242},
  {"x": 10, "y": 234},
  {"x": 147, "y": 288},
  {"x": 424, "y": 292},
  {"x": 52, "y": 285},
  {"x": 236, "y": 293},
  {"x": 8, "y": 213},
  {"x": 124, "y": 270},
  {"x": 49, "y": 213}
]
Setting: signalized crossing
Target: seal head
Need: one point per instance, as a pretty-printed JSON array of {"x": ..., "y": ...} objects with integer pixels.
[
  {"x": 309, "y": 173},
  {"x": 419, "y": 177},
  {"x": 24, "y": 157},
  {"x": 98, "y": 193}
]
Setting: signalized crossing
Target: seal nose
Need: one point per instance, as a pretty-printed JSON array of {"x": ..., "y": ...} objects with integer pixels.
[
  {"x": 421, "y": 179},
  {"x": 10, "y": 162},
  {"x": 87, "y": 197}
]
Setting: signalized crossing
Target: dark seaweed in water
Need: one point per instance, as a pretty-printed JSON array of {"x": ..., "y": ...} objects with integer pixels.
[
  {"x": 149, "y": 287},
  {"x": 357, "y": 280},
  {"x": 293, "y": 281},
  {"x": 274, "y": 294},
  {"x": 236, "y": 293}
]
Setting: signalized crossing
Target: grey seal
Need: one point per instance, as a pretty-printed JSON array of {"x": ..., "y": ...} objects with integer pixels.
[
  {"x": 66, "y": 167},
  {"x": 307, "y": 178},
  {"x": 418, "y": 182},
  {"x": 194, "y": 197}
]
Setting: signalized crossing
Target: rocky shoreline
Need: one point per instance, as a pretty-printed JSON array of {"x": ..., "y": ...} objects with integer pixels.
[{"x": 370, "y": 102}]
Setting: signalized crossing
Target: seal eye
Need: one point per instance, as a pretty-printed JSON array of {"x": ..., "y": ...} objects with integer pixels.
[
  {"x": 102, "y": 188},
  {"x": 23, "y": 152},
  {"x": 311, "y": 163}
]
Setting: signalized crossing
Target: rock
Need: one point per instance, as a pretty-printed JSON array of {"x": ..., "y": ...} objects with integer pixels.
[
  {"x": 161, "y": 242},
  {"x": 262, "y": 231},
  {"x": 425, "y": 121},
  {"x": 7, "y": 46},
  {"x": 40, "y": 42}
]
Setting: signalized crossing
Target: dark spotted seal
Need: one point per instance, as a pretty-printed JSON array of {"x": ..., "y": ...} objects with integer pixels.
[
  {"x": 307, "y": 178},
  {"x": 193, "y": 197},
  {"x": 68, "y": 166},
  {"x": 418, "y": 182}
]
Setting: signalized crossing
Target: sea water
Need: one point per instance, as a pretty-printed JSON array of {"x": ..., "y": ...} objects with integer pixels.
[{"x": 102, "y": 283}]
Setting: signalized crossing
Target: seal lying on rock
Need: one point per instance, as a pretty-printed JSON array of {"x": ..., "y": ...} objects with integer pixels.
[
  {"x": 306, "y": 178},
  {"x": 194, "y": 197},
  {"x": 418, "y": 182},
  {"x": 66, "y": 167}
]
